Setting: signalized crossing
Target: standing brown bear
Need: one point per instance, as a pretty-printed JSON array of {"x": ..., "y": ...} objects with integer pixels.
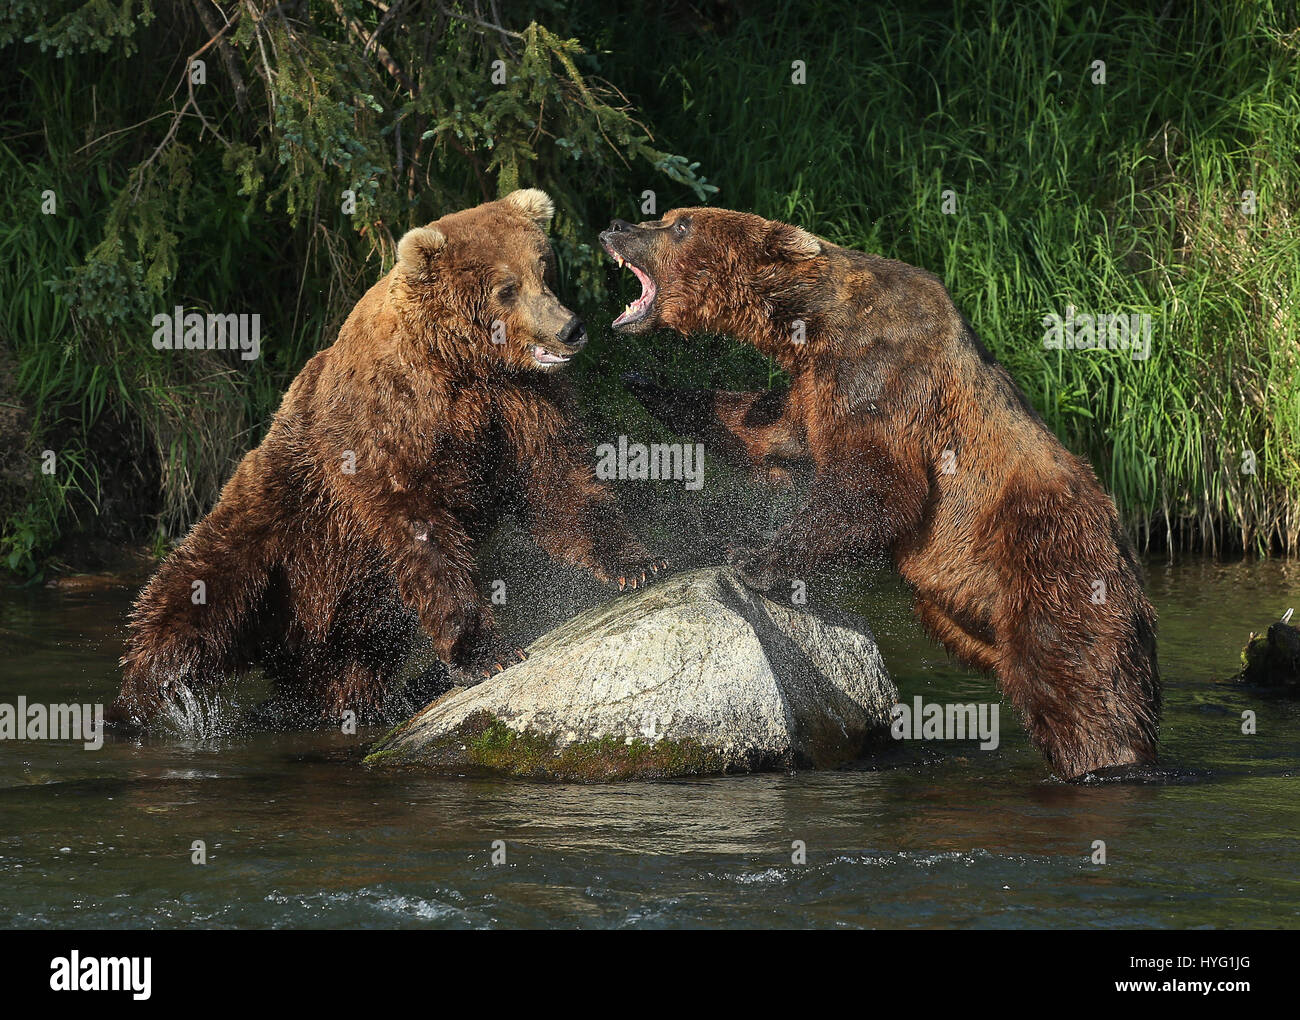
[
  {"x": 921, "y": 446},
  {"x": 392, "y": 456}
]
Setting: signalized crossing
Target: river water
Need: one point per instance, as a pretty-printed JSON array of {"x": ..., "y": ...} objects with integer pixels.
[{"x": 928, "y": 835}]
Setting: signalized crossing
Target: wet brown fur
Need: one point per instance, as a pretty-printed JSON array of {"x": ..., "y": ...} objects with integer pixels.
[
  {"x": 890, "y": 389},
  {"x": 320, "y": 574}
]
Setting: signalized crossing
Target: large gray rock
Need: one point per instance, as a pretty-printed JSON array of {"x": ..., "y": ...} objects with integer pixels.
[{"x": 694, "y": 674}]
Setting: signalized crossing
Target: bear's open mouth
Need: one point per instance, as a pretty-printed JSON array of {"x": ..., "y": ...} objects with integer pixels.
[
  {"x": 639, "y": 308},
  {"x": 544, "y": 357}
]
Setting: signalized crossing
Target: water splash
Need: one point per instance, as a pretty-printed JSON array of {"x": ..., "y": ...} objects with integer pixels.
[{"x": 197, "y": 714}]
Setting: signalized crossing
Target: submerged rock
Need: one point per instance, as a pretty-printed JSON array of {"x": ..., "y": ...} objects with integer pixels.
[
  {"x": 1271, "y": 661},
  {"x": 692, "y": 675}
]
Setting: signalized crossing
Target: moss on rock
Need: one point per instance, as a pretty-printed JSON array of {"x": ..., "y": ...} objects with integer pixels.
[{"x": 484, "y": 745}]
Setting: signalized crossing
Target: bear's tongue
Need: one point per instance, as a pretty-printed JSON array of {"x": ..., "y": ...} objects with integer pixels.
[
  {"x": 545, "y": 357},
  {"x": 638, "y": 307}
]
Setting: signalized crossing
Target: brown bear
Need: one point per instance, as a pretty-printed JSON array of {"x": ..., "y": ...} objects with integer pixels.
[
  {"x": 921, "y": 446},
  {"x": 393, "y": 454}
]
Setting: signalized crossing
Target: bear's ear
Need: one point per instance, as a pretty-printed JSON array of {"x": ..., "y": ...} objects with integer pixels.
[
  {"x": 533, "y": 203},
  {"x": 793, "y": 243},
  {"x": 418, "y": 248}
]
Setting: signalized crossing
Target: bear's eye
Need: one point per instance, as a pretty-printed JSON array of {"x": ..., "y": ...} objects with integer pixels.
[
  {"x": 506, "y": 292},
  {"x": 681, "y": 227}
]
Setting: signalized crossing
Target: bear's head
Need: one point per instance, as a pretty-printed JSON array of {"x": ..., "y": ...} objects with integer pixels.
[
  {"x": 710, "y": 269},
  {"x": 476, "y": 285}
]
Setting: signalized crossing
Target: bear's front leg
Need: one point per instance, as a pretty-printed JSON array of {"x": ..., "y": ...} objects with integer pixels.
[
  {"x": 477, "y": 649},
  {"x": 587, "y": 530},
  {"x": 573, "y": 516},
  {"x": 575, "y": 519},
  {"x": 439, "y": 580},
  {"x": 756, "y": 432},
  {"x": 856, "y": 508},
  {"x": 487, "y": 656},
  {"x": 820, "y": 530}
]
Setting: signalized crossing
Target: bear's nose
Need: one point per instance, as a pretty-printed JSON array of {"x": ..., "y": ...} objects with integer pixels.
[
  {"x": 573, "y": 333},
  {"x": 618, "y": 226}
]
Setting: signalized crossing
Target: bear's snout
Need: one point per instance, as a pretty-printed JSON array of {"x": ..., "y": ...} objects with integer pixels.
[{"x": 573, "y": 334}]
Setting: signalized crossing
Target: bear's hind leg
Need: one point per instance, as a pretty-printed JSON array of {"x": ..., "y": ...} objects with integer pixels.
[
  {"x": 194, "y": 625},
  {"x": 356, "y": 666},
  {"x": 1087, "y": 708}
]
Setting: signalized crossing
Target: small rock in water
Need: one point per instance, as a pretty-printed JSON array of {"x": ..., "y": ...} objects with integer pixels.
[
  {"x": 693, "y": 675},
  {"x": 1271, "y": 661}
]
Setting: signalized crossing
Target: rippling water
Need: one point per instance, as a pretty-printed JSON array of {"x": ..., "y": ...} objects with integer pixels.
[{"x": 943, "y": 835}]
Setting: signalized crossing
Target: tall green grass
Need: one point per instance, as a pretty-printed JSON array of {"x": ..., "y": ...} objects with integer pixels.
[
  {"x": 1116, "y": 198},
  {"x": 145, "y": 439},
  {"x": 1122, "y": 197},
  {"x": 100, "y": 398}
]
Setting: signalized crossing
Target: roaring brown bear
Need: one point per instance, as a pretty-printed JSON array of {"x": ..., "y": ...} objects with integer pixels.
[
  {"x": 392, "y": 456},
  {"x": 920, "y": 446}
]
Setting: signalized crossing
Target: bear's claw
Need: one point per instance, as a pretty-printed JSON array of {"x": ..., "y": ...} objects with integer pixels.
[
  {"x": 491, "y": 657},
  {"x": 630, "y": 580},
  {"x": 519, "y": 655}
]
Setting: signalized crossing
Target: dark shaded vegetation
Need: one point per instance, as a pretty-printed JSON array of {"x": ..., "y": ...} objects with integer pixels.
[{"x": 228, "y": 196}]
